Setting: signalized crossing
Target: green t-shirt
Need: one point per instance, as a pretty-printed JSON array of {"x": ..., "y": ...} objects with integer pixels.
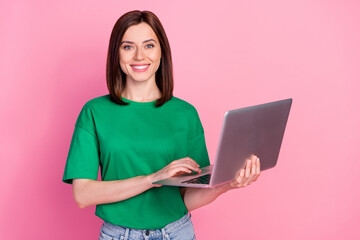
[{"x": 128, "y": 141}]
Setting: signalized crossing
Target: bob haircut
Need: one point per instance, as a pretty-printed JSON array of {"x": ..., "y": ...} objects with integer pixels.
[{"x": 116, "y": 78}]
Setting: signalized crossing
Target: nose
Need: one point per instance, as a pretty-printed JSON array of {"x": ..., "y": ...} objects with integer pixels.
[{"x": 139, "y": 55}]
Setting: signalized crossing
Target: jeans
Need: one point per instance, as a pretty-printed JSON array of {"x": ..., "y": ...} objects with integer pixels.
[{"x": 181, "y": 229}]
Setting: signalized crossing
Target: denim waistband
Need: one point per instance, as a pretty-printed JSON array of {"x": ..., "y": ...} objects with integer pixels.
[{"x": 150, "y": 233}]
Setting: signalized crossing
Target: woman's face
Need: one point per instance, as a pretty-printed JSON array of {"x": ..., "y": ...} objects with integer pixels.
[{"x": 140, "y": 53}]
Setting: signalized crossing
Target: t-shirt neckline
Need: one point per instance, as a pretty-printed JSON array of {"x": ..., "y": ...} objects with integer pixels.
[{"x": 142, "y": 104}]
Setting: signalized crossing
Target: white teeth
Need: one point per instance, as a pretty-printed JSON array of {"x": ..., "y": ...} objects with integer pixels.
[{"x": 140, "y": 67}]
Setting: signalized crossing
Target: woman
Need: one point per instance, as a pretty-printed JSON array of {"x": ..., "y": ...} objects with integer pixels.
[{"x": 140, "y": 133}]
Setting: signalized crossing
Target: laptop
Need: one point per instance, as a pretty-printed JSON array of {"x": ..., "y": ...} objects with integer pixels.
[{"x": 255, "y": 130}]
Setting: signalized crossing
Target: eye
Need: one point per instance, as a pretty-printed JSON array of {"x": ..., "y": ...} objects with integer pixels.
[
  {"x": 127, "y": 47},
  {"x": 150, "y": 45}
]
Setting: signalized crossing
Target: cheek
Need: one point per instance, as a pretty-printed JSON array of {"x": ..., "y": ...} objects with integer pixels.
[
  {"x": 155, "y": 55},
  {"x": 122, "y": 64},
  {"x": 123, "y": 68},
  {"x": 123, "y": 60},
  {"x": 156, "y": 64}
]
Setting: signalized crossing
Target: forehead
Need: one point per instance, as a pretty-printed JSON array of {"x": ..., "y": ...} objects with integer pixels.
[{"x": 139, "y": 33}]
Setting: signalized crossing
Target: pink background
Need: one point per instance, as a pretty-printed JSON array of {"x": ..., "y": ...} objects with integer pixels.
[{"x": 227, "y": 54}]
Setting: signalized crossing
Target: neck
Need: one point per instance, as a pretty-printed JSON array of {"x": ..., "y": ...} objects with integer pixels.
[{"x": 141, "y": 91}]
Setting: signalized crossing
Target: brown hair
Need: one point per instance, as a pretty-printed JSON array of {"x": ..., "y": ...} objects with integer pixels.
[{"x": 116, "y": 78}]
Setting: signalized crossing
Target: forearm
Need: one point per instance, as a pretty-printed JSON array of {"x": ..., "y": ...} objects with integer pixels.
[
  {"x": 197, "y": 197},
  {"x": 90, "y": 192}
]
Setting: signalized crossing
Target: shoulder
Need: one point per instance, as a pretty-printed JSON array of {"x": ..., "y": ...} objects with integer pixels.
[
  {"x": 193, "y": 120},
  {"x": 99, "y": 105},
  {"x": 93, "y": 108},
  {"x": 98, "y": 102},
  {"x": 185, "y": 105}
]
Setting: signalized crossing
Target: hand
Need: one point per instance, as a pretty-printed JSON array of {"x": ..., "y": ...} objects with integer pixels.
[
  {"x": 176, "y": 167},
  {"x": 248, "y": 174}
]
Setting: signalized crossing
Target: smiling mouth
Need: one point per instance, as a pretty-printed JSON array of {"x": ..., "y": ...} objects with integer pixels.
[{"x": 140, "y": 68}]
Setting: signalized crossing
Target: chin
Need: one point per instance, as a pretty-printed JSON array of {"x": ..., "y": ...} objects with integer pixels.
[{"x": 141, "y": 79}]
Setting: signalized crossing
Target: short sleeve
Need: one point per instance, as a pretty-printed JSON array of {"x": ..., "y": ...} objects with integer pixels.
[
  {"x": 83, "y": 157},
  {"x": 196, "y": 140}
]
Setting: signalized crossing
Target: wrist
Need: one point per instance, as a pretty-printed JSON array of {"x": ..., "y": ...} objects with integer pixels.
[
  {"x": 149, "y": 179},
  {"x": 223, "y": 188}
]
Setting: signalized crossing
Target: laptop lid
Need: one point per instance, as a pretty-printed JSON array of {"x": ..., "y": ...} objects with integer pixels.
[{"x": 255, "y": 130}]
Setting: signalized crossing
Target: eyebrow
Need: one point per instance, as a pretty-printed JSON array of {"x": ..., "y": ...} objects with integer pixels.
[{"x": 133, "y": 42}]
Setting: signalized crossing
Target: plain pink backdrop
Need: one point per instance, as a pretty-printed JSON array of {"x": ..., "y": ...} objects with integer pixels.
[{"x": 227, "y": 54}]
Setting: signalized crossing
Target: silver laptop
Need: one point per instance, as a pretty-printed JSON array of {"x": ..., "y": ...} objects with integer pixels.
[{"x": 255, "y": 130}]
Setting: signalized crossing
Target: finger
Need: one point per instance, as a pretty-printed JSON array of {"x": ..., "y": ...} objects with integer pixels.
[
  {"x": 193, "y": 162},
  {"x": 176, "y": 171},
  {"x": 258, "y": 168},
  {"x": 192, "y": 167},
  {"x": 238, "y": 181},
  {"x": 246, "y": 173},
  {"x": 188, "y": 161},
  {"x": 185, "y": 164},
  {"x": 257, "y": 176},
  {"x": 241, "y": 176},
  {"x": 247, "y": 169},
  {"x": 179, "y": 173},
  {"x": 254, "y": 166},
  {"x": 252, "y": 173},
  {"x": 168, "y": 172}
]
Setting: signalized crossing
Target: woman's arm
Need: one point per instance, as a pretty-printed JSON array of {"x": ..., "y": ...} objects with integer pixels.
[
  {"x": 89, "y": 192},
  {"x": 197, "y": 197}
]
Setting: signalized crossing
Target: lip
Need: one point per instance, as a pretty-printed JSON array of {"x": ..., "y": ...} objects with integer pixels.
[{"x": 138, "y": 65}]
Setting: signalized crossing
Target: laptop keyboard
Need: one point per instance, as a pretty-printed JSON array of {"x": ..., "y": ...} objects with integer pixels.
[{"x": 205, "y": 179}]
